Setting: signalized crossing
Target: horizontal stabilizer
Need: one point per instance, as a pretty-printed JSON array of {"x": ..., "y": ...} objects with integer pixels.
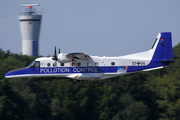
[
  {"x": 153, "y": 68},
  {"x": 167, "y": 61}
]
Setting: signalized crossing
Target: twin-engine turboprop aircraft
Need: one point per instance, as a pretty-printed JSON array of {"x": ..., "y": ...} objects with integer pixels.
[{"x": 80, "y": 66}]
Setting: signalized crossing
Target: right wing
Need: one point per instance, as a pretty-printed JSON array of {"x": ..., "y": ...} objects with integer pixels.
[{"x": 81, "y": 56}]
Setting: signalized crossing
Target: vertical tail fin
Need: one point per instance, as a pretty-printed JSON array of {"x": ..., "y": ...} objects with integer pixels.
[{"x": 163, "y": 46}]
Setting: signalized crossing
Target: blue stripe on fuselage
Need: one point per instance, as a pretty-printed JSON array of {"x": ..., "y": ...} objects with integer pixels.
[
  {"x": 154, "y": 63},
  {"x": 61, "y": 70}
]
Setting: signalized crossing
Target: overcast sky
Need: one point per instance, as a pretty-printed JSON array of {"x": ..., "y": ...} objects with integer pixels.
[{"x": 97, "y": 27}]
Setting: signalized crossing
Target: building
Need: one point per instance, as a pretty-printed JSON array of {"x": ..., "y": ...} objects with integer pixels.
[{"x": 30, "y": 23}]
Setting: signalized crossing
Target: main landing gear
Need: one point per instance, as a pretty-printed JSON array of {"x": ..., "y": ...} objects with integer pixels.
[{"x": 77, "y": 80}]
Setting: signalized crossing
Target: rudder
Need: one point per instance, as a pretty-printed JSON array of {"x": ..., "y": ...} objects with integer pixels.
[{"x": 163, "y": 45}]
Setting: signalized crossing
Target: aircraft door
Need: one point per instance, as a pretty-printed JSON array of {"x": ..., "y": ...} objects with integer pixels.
[
  {"x": 113, "y": 65},
  {"x": 104, "y": 63}
]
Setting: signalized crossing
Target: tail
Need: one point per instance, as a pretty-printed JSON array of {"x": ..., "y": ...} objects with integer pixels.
[
  {"x": 160, "y": 51},
  {"x": 162, "y": 47}
]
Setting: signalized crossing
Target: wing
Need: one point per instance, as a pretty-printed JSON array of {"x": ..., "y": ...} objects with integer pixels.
[{"x": 81, "y": 56}]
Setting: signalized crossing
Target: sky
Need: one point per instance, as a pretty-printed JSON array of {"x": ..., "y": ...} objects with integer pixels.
[{"x": 95, "y": 27}]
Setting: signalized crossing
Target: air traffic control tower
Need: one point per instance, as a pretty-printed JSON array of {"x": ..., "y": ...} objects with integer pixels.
[{"x": 30, "y": 22}]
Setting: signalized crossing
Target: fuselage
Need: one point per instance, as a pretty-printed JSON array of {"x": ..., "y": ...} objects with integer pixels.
[{"x": 92, "y": 69}]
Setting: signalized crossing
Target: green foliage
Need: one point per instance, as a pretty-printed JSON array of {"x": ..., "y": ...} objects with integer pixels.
[
  {"x": 145, "y": 95},
  {"x": 12, "y": 106}
]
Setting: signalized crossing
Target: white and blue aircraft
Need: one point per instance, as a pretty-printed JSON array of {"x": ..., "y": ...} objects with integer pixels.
[{"x": 80, "y": 66}]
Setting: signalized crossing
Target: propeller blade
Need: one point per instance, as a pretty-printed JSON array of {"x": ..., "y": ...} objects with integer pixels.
[
  {"x": 55, "y": 56},
  {"x": 59, "y": 50},
  {"x": 55, "y": 53}
]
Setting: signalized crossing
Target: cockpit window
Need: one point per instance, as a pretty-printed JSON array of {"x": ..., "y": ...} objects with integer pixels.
[
  {"x": 32, "y": 63},
  {"x": 37, "y": 64}
]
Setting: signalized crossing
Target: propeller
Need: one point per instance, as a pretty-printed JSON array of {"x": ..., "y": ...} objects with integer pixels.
[
  {"x": 55, "y": 57},
  {"x": 59, "y": 50}
]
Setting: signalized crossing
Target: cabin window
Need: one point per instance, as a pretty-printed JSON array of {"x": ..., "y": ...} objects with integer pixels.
[
  {"x": 96, "y": 64},
  {"x": 88, "y": 64},
  {"x": 37, "y": 64},
  {"x": 79, "y": 64},
  {"x": 112, "y": 63},
  {"x": 48, "y": 64},
  {"x": 73, "y": 63},
  {"x": 62, "y": 64}
]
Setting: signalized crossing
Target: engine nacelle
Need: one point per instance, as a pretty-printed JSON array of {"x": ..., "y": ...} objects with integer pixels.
[{"x": 62, "y": 58}]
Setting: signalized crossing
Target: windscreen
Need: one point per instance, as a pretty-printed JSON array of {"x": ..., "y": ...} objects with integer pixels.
[{"x": 32, "y": 63}]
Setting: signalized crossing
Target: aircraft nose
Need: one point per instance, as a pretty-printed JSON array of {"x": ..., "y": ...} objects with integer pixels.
[
  {"x": 7, "y": 75},
  {"x": 16, "y": 73}
]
